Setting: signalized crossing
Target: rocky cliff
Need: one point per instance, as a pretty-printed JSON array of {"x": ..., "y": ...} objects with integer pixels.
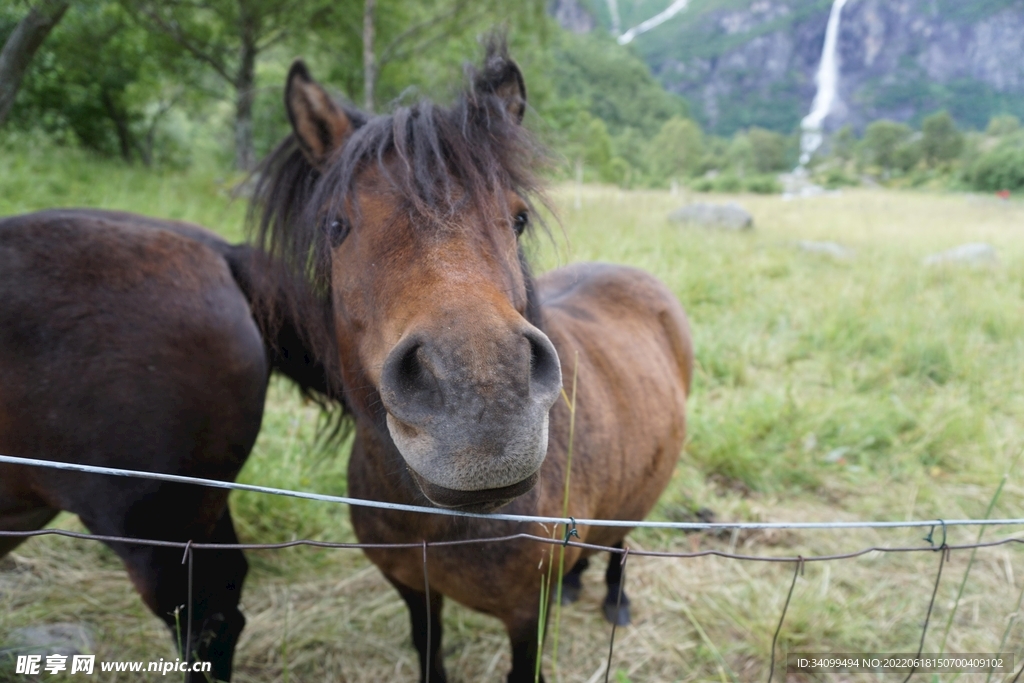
[{"x": 753, "y": 62}]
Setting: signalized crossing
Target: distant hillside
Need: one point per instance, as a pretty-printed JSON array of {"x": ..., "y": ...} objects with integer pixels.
[{"x": 752, "y": 62}]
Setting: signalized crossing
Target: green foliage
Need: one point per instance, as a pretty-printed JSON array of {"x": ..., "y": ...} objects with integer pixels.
[
  {"x": 1002, "y": 168},
  {"x": 102, "y": 82},
  {"x": 882, "y": 139},
  {"x": 1003, "y": 124},
  {"x": 612, "y": 84},
  {"x": 844, "y": 143},
  {"x": 730, "y": 182},
  {"x": 762, "y": 183},
  {"x": 768, "y": 150},
  {"x": 907, "y": 154},
  {"x": 740, "y": 153},
  {"x": 677, "y": 150},
  {"x": 940, "y": 140},
  {"x": 835, "y": 176}
]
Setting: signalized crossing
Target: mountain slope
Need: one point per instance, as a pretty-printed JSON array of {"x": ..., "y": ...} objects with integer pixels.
[{"x": 753, "y": 62}]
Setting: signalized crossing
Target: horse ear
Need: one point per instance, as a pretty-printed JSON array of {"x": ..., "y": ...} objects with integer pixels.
[
  {"x": 501, "y": 77},
  {"x": 320, "y": 125}
]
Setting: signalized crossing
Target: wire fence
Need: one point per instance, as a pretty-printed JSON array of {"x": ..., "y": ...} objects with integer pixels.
[{"x": 941, "y": 546}]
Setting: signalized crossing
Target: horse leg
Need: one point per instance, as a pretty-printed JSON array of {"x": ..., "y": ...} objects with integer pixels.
[
  {"x": 615, "y": 612},
  {"x": 20, "y": 515},
  {"x": 523, "y": 635},
  {"x": 572, "y": 582},
  {"x": 217, "y": 576},
  {"x": 416, "y": 601}
]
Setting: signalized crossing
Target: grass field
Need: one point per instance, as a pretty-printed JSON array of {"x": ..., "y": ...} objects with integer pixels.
[{"x": 826, "y": 389}]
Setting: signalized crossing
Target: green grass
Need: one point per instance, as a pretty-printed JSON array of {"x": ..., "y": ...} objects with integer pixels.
[
  {"x": 41, "y": 176},
  {"x": 867, "y": 388}
]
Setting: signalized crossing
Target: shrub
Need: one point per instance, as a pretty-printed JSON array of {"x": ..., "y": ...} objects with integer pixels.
[
  {"x": 762, "y": 184},
  {"x": 727, "y": 182},
  {"x": 704, "y": 184},
  {"x": 677, "y": 149},
  {"x": 768, "y": 150},
  {"x": 940, "y": 139},
  {"x": 1005, "y": 124},
  {"x": 844, "y": 143},
  {"x": 836, "y": 176},
  {"x": 906, "y": 155},
  {"x": 881, "y": 139},
  {"x": 1002, "y": 168}
]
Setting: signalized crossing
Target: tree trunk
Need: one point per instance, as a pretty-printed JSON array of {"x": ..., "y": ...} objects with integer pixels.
[
  {"x": 245, "y": 93},
  {"x": 369, "y": 58},
  {"x": 120, "y": 121},
  {"x": 21, "y": 46}
]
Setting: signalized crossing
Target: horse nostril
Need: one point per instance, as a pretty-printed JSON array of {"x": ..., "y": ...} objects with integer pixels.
[
  {"x": 410, "y": 370},
  {"x": 408, "y": 386},
  {"x": 545, "y": 370}
]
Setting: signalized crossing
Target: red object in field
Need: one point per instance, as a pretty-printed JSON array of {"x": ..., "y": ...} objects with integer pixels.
[{"x": 1003, "y": 194}]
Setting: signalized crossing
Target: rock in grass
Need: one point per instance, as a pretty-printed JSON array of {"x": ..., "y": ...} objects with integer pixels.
[
  {"x": 973, "y": 253},
  {"x": 729, "y": 216},
  {"x": 50, "y": 639},
  {"x": 833, "y": 249}
]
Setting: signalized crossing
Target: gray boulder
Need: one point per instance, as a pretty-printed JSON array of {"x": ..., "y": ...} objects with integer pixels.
[
  {"x": 833, "y": 249},
  {"x": 972, "y": 253},
  {"x": 50, "y": 639},
  {"x": 729, "y": 216}
]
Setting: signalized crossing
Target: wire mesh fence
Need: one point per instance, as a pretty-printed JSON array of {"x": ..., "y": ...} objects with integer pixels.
[{"x": 935, "y": 542}]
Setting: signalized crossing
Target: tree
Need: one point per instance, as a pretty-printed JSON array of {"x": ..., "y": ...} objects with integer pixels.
[
  {"x": 102, "y": 81},
  {"x": 844, "y": 143},
  {"x": 1001, "y": 168},
  {"x": 613, "y": 84},
  {"x": 881, "y": 140},
  {"x": 22, "y": 45},
  {"x": 397, "y": 31},
  {"x": 907, "y": 154},
  {"x": 228, "y": 37},
  {"x": 940, "y": 139},
  {"x": 677, "y": 150},
  {"x": 1001, "y": 125},
  {"x": 768, "y": 149}
]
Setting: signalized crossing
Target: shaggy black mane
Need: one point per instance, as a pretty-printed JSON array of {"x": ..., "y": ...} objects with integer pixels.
[{"x": 474, "y": 150}]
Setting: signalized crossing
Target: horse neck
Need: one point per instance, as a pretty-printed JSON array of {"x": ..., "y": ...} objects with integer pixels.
[{"x": 288, "y": 349}]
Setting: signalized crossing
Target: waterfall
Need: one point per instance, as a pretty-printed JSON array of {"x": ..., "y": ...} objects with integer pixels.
[
  {"x": 675, "y": 8},
  {"x": 827, "y": 81}
]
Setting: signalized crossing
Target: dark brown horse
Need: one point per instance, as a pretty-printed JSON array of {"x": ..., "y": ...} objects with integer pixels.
[
  {"x": 129, "y": 342},
  {"x": 452, "y": 356}
]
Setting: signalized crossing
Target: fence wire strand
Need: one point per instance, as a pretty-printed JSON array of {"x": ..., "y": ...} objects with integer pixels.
[
  {"x": 400, "y": 507},
  {"x": 943, "y": 556},
  {"x": 618, "y": 607},
  {"x": 797, "y": 571}
]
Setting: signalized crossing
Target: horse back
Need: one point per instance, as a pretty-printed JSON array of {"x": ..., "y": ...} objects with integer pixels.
[
  {"x": 125, "y": 343},
  {"x": 627, "y": 340}
]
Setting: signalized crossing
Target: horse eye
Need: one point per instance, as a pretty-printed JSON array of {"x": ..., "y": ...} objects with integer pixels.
[
  {"x": 337, "y": 230},
  {"x": 520, "y": 222}
]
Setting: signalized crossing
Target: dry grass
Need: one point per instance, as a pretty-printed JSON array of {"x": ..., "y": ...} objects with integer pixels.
[{"x": 914, "y": 372}]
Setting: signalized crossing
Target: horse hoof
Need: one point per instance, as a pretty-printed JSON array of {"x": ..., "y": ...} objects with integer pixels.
[
  {"x": 570, "y": 594},
  {"x": 617, "y": 615}
]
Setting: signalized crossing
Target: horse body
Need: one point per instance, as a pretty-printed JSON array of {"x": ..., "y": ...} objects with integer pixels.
[
  {"x": 128, "y": 342},
  {"x": 452, "y": 356},
  {"x": 626, "y": 339}
]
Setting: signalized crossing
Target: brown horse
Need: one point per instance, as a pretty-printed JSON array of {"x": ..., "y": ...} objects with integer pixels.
[
  {"x": 452, "y": 356},
  {"x": 129, "y": 342}
]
